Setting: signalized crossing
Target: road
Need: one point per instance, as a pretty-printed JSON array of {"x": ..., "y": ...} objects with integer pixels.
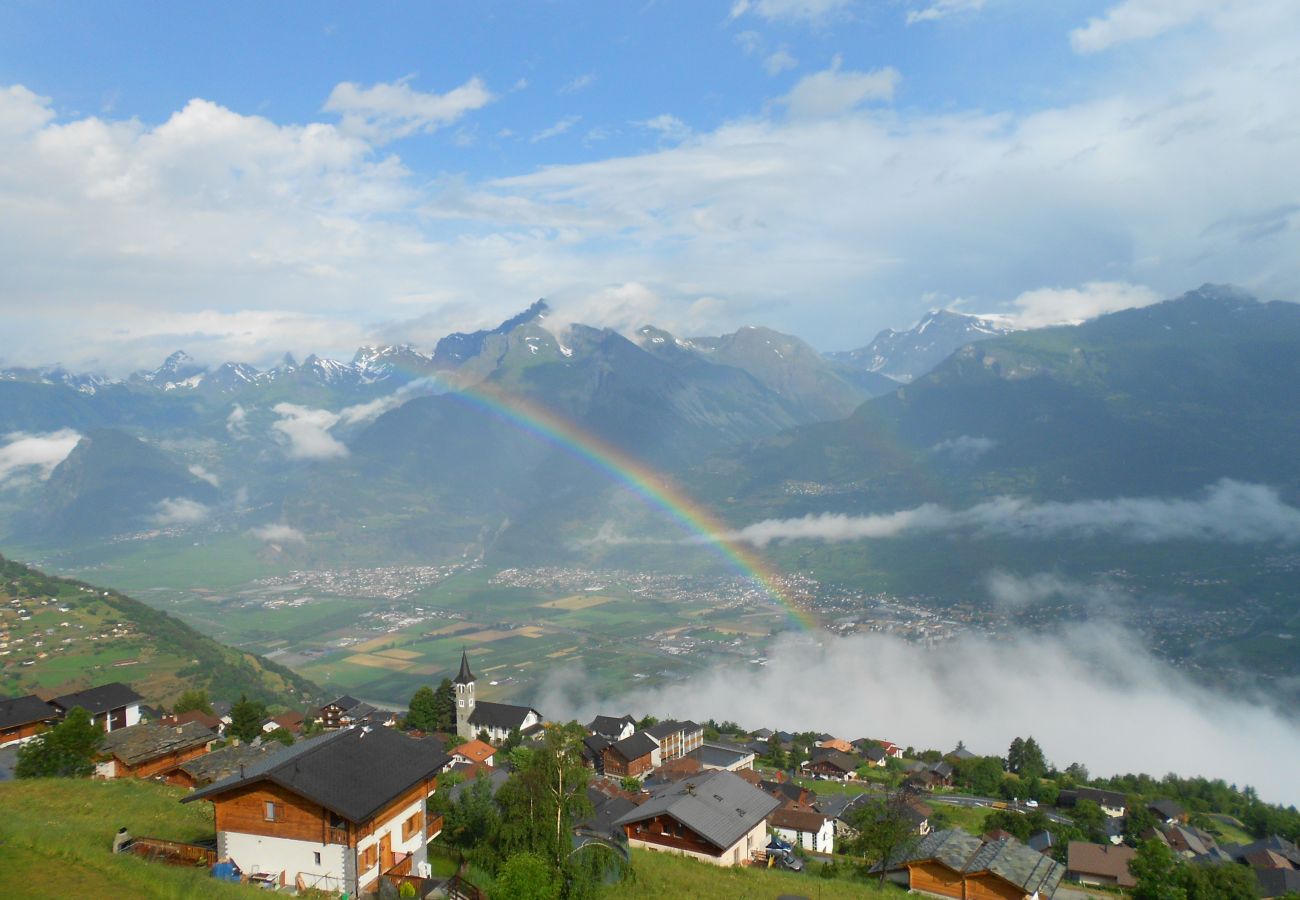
[{"x": 989, "y": 803}]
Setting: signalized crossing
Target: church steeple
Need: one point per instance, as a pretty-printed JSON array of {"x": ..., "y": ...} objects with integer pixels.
[
  {"x": 464, "y": 684},
  {"x": 465, "y": 676}
]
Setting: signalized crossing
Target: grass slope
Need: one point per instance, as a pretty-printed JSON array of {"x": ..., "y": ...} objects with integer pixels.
[
  {"x": 158, "y": 654},
  {"x": 664, "y": 875},
  {"x": 56, "y": 837}
]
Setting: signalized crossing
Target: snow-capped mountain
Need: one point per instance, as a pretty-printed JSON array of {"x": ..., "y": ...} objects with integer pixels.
[{"x": 906, "y": 355}]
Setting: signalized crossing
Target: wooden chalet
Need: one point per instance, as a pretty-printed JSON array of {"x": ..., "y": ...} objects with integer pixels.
[
  {"x": 632, "y": 757},
  {"x": 952, "y": 863},
  {"x": 151, "y": 750},
  {"x": 333, "y": 812},
  {"x": 717, "y": 818},
  {"x": 22, "y": 718},
  {"x": 612, "y": 728},
  {"x": 218, "y": 764},
  {"x": 344, "y": 711},
  {"x": 112, "y": 706},
  {"x": 830, "y": 763},
  {"x": 676, "y": 738}
]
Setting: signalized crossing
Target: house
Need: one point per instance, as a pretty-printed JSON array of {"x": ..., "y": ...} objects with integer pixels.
[
  {"x": 718, "y": 818},
  {"x": 496, "y": 721},
  {"x": 212, "y": 723},
  {"x": 722, "y": 756},
  {"x": 832, "y": 764},
  {"x": 1167, "y": 811},
  {"x": 221, "y": 763},
  {"x": 474, "y": 753},
  {"x": 291, "y": 722},
  {"x": 1188, "y": 841},
  {"x": 791, "y": 792},
  {"x": 152, "y": 750},
  {"x": 846, "y": 809},
  {"x": 606, "y": 809},
  {"x": 1043, "y": 841},
  {"x": 676, "y": 738},
  {"x": 803, "y": 826},
  {"x": 1288, "y": 850},
  {"x": 927, "y": 777},
  {"x": 23, "y": 718},
  {"x": 874, "y": 755},
  {"x": 761, "y": 734},
  {"x": 951, "y": 863},
  {"x": 611, "y": 728},
  {"x": 1277, "y": 883},
  {"x": 834, "y": 743},
  {"x": 674, "y": 770},
  {"x": 1112, "y": 803},
  {"x": 632, "y": 757},
  {"x": 961, "y": 753},
  {"x": 593, "y": 747},
  {"x": 112, "y": 705},
  {"x": 331, "y": 812},
  {"x": 1099, "y": 864},
  {"x": 344, "y": 711}
]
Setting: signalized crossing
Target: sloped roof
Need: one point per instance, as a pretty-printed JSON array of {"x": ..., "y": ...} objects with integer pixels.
[
  {"x": 15, "y": 711},
  {"x": 353, "y": 771},
  {"x": 719, "y": 806},
  {"x": 610, "y": 725},
  {"x": 140, "y": 743},
  {"x": 505, "y": 716},
  {"x": 661, "y": 730},
  {"x": 475, "y": 751},
  {"x": 1101, "y": 859},
  {"x": 226, "y": 761},
  {"x": 634, "y": 746},
  {"x": 1169, "y": 809},
  {"x": 345, "y": 703},
  {"x": 464, "y": 676},
  {"x": 1008, "y": 859},
  {"x": 102, "y": 699},
  {"x": 835, "y": 758},
  {"x": 797, "y": 818}
]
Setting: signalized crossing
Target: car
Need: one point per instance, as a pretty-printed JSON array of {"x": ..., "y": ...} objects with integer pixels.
[{"x": 1032, "y": 804}]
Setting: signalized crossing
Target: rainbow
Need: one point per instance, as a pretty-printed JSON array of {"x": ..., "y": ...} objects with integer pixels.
[{"x": 654, "y": 488}]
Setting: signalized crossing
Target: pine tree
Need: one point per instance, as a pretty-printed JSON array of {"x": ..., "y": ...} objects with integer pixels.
[
  {"x": 445, "y": 706},
  {"x": 246, "y": 718},
  {"x": 422, "y": 713}
]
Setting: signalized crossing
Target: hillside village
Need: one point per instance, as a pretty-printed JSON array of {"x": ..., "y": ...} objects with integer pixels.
[{"x": 349, "y": 798}]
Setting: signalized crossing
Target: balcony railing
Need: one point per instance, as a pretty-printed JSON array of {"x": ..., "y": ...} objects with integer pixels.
[{"x": 336, "y": 835}]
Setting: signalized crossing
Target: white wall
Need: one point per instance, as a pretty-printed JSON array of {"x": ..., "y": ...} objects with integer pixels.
[
  {"x": 393, "y": 827},
  {"x": 133, "y": 715},
  {"x": 259, "y": 853}
]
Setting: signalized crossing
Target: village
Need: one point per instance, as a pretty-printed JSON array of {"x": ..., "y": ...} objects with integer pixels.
[{"x": 353, "y": 799}]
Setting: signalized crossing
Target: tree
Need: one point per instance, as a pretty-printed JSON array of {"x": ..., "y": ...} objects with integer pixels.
[
  {"x": 1034, "y": 764},
  {"x": 1226, "y": 881},
  {"x": 281, "y": 734},
  {"x": 1156, "y": 869},
  {"x": 982, "y": 775},
  {"x": 646, "y": 721},
  {"x": 246, "y": 718},
  {"x": 527, "y": 876},
  {"x": 1089, "y": 819},
  {"x": 422, "y": 711},
  {"x": 886, "y": 831},
  {"x": 190, "y": 701},
  {"x": 630, "y": 784},
  {"x": 444, "y": 706},
  {"x": 67, "y": 750},
  {"x": 472, "y": 821},
  {"x": 1016, "y": 756},
  {"x": 1138, "y": 820}
]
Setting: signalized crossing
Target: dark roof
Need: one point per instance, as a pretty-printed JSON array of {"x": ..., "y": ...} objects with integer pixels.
[
  {"x": 141, "y": 743},
  {"x": 874, "y": 753},
  {"x": 496, "y": 778},
  {"x": 353, "y": 771},
  {"x": 942, "y": 769},
  {"x": 15, "y": 711},
  {"x": 720, "y": 806},
  {"x": 226, "y": 761},
  {"x": 345, "y": 703},
  {"x": 1169, "y": 809},
  {"x": 605, "y": 811},
  {"x": 1279, "y": 845},
  {"x": 464, "y": 676},
  {"x": 1103, "y": 798},
  {"x": 1277, "y": 882},
  {"x": 786, "y": 790},
  {"x": 594, "y": 744},
  {"x": 1009, "y": 859},
  {"x": 661, "y": 730},
  {"x": 499, "y": 715},
  {"x": 797, "y": 818},
  {"x": 1042, "y": 841},
  {"x": 720, "y": 756},
  {"x": 836, "y": 758},
  {"x": 609, "y": 726},
  {"x": 98, "y": 700},
  {"x": 961, "y": 753},
  {"x": 635, "y": 746}
]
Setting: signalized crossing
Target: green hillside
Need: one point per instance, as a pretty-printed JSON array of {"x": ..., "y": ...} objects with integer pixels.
[{"x": 66, "y": 635}]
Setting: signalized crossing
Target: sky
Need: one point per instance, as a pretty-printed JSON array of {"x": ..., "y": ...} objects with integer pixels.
[{"x": 244, "y": 179}]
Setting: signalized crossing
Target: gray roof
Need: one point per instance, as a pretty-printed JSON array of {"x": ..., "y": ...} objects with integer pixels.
[
  {"x": 352, "y": 771},
  {"x": 102, "y": 699},
  {"x": 606, "y": 811},
  {"x": 141, "y": 743},
  {"x": 496, "y": 778},
  {"x": 1009, "y": 859},
  {"x": 719, "y": 806},
  {"x": 16, "y": 711},
  {"x": 226, "y": 761},
  {"x": 505, "y": 716},
  {"x": 610, "y": 725},
  {"x": 635, "y": 746},
  {"x": 661, "y": 730},
  {"x": 837, "y": 758},
  {"x": 464, "y": 676},
  {"x": 719, "y": 756}
]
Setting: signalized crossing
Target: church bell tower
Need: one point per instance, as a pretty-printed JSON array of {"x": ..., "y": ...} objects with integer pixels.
[{"x": 464, "y": 684}]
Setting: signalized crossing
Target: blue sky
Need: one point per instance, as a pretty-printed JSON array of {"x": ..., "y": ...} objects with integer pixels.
[{"x": 251, "y": 178}]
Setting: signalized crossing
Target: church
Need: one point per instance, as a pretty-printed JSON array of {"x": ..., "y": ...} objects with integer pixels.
[{"x": 497, "y": 720}]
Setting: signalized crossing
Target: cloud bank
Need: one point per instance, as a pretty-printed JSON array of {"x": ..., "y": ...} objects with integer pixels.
[
  {"x": 304, "y": 432},
  {"x": 1229, "y": 512},
  {"x": 25, "y": 457},
  {"x": 983, "y": 692},
  {"x": 278, "y": 533},
  {"x": 180, "y": 511}
]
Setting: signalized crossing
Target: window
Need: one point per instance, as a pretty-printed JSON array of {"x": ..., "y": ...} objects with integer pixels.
[
  {"x": 411, "y": 826},
  {"x": 317, "y": 857},
  {"x": 369, "y": 857},
  {"x": 270, "y": 811}
]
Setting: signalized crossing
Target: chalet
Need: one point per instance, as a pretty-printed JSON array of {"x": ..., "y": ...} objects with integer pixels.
[
  {"x": 874, "y": 755},
  {"x": 333, "y": 812},
  {"x": 718, "y": 818},
  {"x": 952, "y": 863},
  {"x": 151, "y": 750},
  {"x": 210, "y": 722},
  {"x": 926, "y": 777},
  {"x": 722, "y": 756},
  {"x": 834, "y": 743},
  {"x": 632, "y": 757},
  {"x": 1099, "y": 864},
  {"x": 611, "y": 728},
  {"x": 674, "y": 770},
  {"x": 112, "y": 705},
  {"x": 593, "y": 749},
  {"x": 1167, "y": 811},
  {"x": 960, "y": 754},
  {"x": 221, "y": 763},
  {"x": 676, "y": 738},
  {"x": 291, "y": 722},
  {"x": 496, "y": 721},
  {"x": 1042, "y": 841},
  {"x": 23, "y": 718},
  {"x": 804, "y": 827},
  {"x": 832, "y": 764},
  {"x": 474, "y": 753},
  {"x": 344, "y": 711},
  {"x": 1112, "y": 803},
  {"x": 790, "y": 792},
  {"x": 845, "y": 810}
]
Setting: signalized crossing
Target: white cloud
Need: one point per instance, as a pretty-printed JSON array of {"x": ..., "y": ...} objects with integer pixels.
[
  {"x": 985, "y": 692},
  {"x": 833, "y": 92},
  {"x": 304, "y": 432},
  {"x": 581, "y": 83},
  {"x": 1229, "y": 511},
  {"x": 1057, "y": 306},
  {"x": 668, "y": 126},
  {"x": 386, "y": 111},
  {"x": 964, "y": 448},
  {"x": 204, "y": 475},
  {"x": 810, "y": 11},
  {"x": 934, "y": 10},
  {"x": 237, "y": 422},
  {"x": 1015, "y": 592},
  {"x": 779, "y": 61},
  {"x": 556, "y": 129},
  {"x": 25, "y": 456},
  {"x": 278, "y": 533},
  {"x": 1134, "y": 20},
  {"x": 179, "y": 511}
]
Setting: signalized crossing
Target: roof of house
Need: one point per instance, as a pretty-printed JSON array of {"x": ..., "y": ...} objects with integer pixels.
[
  {"x": 102, "y": 699},
  {"x": 504, "y": 716},
  {"x": 1008, "y": 859},
  {"x": 634, "y": 746},
  {"x": 718, "y": 806},
  {"x": 606, "y": 810},
  {"x": 496, "y": 778},
  {"x": 1275, "y": 843},
  {"x": 1191, "y": 840},
  {"x": 226, "y": 761},
  {"x": 797, "y": 818},
  {"x": 344, "y": 703},
  {"x": 1101, "y": 859},
  {"x": 874, "y": 753},
  {"x": 595, "y": 743},
  {"x": 1042, "y": 841},
  {"x": 475, "y": 751},
  {"x": 961, "y": 753},
  {"x": 353, "y": 771},
  {"x": 675, "y": 770},
  {"x": 197, "y": 715},
  {"x": 15, "y": 711},
  {"x": 720, "y": 756},
  {"x": 762, "y": 734},
  {"x": 291, "y": 720},
  {"x": 138, "y": 744},
  {"x": 834, "y": 758},
  {"x": 1277, "y": 882},
  {"x": 786, "y": 790},
  {"x": 661, "y": 730},
  {"x": 1168, "y": 809},
  {"x": 610, "y": 726},
  {"x": 464, "y": 676},
  {"x": 942, "y": 769},
  {"x": 1112, "y": 799}
]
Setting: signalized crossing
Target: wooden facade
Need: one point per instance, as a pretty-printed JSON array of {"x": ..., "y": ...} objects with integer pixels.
[
  {"x": 21, "y": 732},
  {"x": 269, "y": 810},
  {"x": 667, "y": 832},
  {"x": 933, "y": 877},
  {"x": 167, "y": 766},
  {"x": 619, "y": 767}
]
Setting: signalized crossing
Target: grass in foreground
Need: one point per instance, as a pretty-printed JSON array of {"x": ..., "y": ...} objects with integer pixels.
[
  {"x": 56, "y": 837},
  {"x": 665, "y": 875}
]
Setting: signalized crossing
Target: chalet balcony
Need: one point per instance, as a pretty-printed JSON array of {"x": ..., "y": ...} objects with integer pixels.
[
  {"x": 336, "y": 835},
  {"x": 433, "y": 827}
]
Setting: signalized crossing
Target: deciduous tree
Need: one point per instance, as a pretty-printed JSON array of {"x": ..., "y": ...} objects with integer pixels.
[{"x": 67, "y": 750}]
